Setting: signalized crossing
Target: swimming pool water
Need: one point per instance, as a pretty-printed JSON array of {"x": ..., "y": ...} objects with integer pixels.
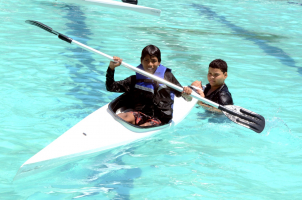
[{"x": 47, "y": 86}]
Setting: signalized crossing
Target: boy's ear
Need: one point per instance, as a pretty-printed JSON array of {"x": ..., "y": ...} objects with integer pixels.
[{"x": 225, "y": 74}]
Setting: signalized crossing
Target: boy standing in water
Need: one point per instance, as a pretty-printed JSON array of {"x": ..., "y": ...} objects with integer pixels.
[
  {"x": 216, "y": 90},
  {"x": 152, "y": 102}
]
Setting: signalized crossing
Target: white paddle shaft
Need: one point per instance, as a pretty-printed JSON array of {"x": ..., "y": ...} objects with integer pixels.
[{"x": 171, "y": 85}]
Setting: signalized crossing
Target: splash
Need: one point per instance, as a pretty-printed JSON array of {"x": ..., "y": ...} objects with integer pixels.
[{"x": 277, "y": 123}]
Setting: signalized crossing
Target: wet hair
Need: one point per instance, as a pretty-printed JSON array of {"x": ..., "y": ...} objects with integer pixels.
[
  {"x": 151, "y": 50},
  {"x": 219, "y": 64}
]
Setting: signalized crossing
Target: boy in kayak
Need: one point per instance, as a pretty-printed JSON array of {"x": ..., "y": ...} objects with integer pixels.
[
  {"x": 216, "y": 90},
  {"x": 151, "y": 101}
]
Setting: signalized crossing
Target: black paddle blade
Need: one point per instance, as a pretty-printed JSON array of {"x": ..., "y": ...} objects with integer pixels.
[
  {"x": 43, "y": 26},
  {"x": 244, "y": 117},
  {"x": 48, "y": 29}
]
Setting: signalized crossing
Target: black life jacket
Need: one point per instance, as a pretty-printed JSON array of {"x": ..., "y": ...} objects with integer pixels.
[{"x": 153, "y": 98}]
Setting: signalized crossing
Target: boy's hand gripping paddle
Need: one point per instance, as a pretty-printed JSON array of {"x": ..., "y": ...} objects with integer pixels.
[{"x": 237, "y": 114}]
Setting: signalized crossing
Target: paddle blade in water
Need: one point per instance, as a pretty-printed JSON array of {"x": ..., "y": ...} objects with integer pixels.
[{"x": 244, "y": 117}]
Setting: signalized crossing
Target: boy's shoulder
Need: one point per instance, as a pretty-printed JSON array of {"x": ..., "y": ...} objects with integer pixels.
[
  {"x": 168, "y": 70},
  {"x": 225, "y": 96},
  {"x": 168, "y": 74},
  {"x": 221, "y": 96},
  {"x": 225, "y": 89}
]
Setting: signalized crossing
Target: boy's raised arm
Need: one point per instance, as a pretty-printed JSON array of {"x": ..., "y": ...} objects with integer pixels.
[{"x": 117, "y": 86}]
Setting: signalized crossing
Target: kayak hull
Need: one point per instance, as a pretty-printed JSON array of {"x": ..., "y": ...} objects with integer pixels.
[{"x": 100, "y": 131}]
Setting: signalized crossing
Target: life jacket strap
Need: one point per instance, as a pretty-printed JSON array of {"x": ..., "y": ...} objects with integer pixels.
[{"x": 156, "y": 85}]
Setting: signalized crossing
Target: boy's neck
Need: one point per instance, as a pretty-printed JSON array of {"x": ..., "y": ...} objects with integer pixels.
[{"x": 213, "y": 88}]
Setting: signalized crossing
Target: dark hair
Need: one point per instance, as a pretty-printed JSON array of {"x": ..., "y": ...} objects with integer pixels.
[
  {"x": 151, "y": 50},
  {"x": 220, "y": 64}
]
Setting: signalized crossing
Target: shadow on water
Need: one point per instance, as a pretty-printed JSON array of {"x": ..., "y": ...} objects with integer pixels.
[
  {"x": 87, "y": 84},
  {"x": 89, "y": 89},
  {"x": 276, "y": 52}
]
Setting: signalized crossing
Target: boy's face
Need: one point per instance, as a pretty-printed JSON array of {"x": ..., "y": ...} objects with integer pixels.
[
  {"x": 216, "y": 77},
  {"x": 150, "y": 63}
]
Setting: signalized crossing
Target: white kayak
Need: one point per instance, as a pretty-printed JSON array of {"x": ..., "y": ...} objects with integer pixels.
[
  {"x": 100, "y": 131},
  {"x": 116, "y": 4}
]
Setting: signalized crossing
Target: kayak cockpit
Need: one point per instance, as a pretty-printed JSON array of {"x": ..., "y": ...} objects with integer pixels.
[{"x": 119, "y": 105}]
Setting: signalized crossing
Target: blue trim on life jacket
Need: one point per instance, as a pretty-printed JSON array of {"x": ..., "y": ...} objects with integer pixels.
[{"x": 148, "y": 86}]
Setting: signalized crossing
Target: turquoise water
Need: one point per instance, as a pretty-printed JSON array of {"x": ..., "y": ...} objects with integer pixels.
[{"x": 47, "y": 86}]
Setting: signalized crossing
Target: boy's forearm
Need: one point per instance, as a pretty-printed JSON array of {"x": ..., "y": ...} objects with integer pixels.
[
  {"x": 109, "y": 79},
  {"x": 118, "y": 86},
  {"x": 209, "y": 108},
  {"x": 115, "y": 86}
]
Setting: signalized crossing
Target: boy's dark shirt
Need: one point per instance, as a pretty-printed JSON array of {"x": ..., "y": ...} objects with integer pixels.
[
  {"x": 128, "y": 85},
  {"x": 221, "y": 96}
]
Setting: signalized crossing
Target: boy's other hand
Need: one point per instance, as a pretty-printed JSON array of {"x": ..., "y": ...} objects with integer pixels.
[
  {"x": 117, "y": 62},
  {"x": 187, "y": 90},
  {"x": 197, "y": 84},
  {"x": 186, "y": 93}
]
